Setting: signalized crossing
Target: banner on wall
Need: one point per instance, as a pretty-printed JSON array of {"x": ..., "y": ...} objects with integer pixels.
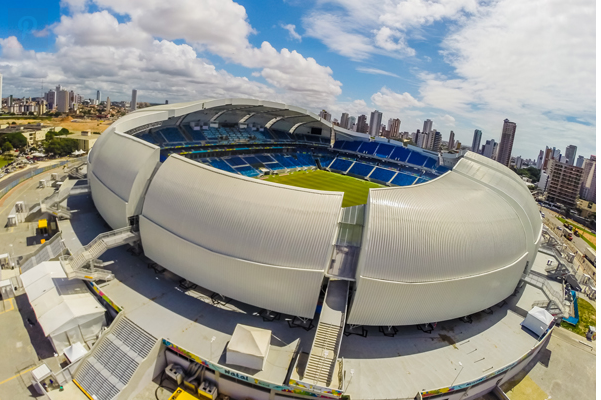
[{"x": 104, "y": 297}]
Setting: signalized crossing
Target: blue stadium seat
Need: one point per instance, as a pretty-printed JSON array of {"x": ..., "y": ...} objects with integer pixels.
[
  {"x": 421, "y": 180},
  {"x": 196, "y": 135},
  {"x": 265, "y": 158},
  {"x": 338, "y": 144},
  {"x": 251, "y": 160},
  {"x": 360, "y": 169},
  {"x": 306, "y": 160},
  {"x": 417, "y": 159},
  {"x": 403, "y": 180},
  {"x": 352, "y": 146},
  {"x": 147, "y": 137},
  {"x": 430, "y": 163},
  {"x": 442, "y": 169},
  {"x": 235, "y": 161},
  {"x": 171, "y": 134},
  {"x": 382, "y": 175},
  {"x": 280, "y": 135},
  {"x": 428, "y": 176},
  {"x": 274, "y": 166},
  {"x": 247, "y": 170},
  {"x": 400, "y": 153},
  {"x": 384, "y": 150},
  {"x": 341, "y": 165},
  {"x": 325, "y": 161},
  {"x": 368, "y": 148},
  {"x": 222, "y": 165},
  {"x": 312, "y": 138},
  {"x": 285, "y": 161}
]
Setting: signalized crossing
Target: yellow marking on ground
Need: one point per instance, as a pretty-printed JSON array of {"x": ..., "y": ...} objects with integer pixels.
[
  {"x": 527, "y": 389},
  {"x": 12, "y": 306},
  {"x": 18, "y": 375}
]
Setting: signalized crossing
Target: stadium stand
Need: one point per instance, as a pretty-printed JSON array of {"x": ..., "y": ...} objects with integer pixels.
[
  {"x": 402, "y": 179},
  {"x": 247, "y": 170},
  {"x": 400, "y": 154},
  {"x": 252, "y": 160},
  {"x": 280, "y": 135},
  {"x": 325, "y": 160},
  {"x": 171, "y": 134},
  {"x": 421, "y": 180},
  {"x": 430, "y": 163},
  {"x": 417, "y": 159},
  {"x": 222, "y": 165},
  {"x": 338, "y": 144},
  {"x": 341, "y": 165},
  {"x": 265, "y": 158},
  {"x": 368, "y": 148},
  {"x": 306, "y": 160},
  {"x": 384, "y": 150},
  {"x": 360, "y": 169},
  {"x": 382, "y": 175},
  {"x": 351, "y": 145},
  {"x": 274, "y": 166},
  {"x": 235, "y": 161},
  {"x": 442, "y": 169},
  {"x": 287, "y": 162},
  {"x": 148, "y": 137}
]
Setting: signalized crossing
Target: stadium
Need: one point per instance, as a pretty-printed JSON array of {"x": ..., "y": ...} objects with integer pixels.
[{"x": 246, "y": 216}]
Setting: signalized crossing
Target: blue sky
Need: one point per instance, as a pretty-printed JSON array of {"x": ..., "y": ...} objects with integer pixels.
[{"x": 465, "y": 64}]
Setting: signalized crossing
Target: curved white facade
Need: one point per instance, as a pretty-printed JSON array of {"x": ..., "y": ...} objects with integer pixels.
[{"x": 439, "y": 250}]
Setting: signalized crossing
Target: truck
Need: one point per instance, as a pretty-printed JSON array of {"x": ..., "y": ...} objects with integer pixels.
[
  {"x": 567, "y": 234},
  {"x": 591, "y": 255}
]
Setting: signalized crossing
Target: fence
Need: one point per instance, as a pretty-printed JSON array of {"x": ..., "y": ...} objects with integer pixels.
[{"x": 37, "y": 172}]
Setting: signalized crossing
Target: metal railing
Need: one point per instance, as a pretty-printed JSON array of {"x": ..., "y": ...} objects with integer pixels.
[{"x": 47, "y": 251}]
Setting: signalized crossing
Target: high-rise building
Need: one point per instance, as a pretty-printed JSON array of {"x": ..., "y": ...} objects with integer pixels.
[
  {"x": 564, "y": 183},
  {"x": 489, "y": 148},
  {"x": 362, "y": 124},
  {"x": 62, "y": 101},
  {"x": 476, "y": 140},
  {"x": 108, "y": 105},
  {"x": 427, "y": 126},
  {"x": 325, "y": 115},
  {"x": 351, "y": 122},
  {"x": 571, "y": 154},
  {"x": 344, "y": 121},
  {"x": 374, "y": 123},
  {"x": 389, "y": 124},
  {"x": 580, "y": 161},
  {"x": 436, "y": 141},
  {"x": 542, "y": 182},
  {"x": 395, "y": 127},
  {"x": 506, "y": 145},
  {"x": 451, "y": 140},
  {"x": 518, "y": 162},
  {"x": 539, "y": 160},
  {"x": 548, "y": 158},
  {"x": 458, "y": 145},
  {"x": 98, "y": 95},
  {"x": 421, "y": 139},
  {"x": 588, "y": 188},
  {"x": 51, "y": 99},
  {"x": 134, "y": 100},
  {"x": 0, "y": 91}
]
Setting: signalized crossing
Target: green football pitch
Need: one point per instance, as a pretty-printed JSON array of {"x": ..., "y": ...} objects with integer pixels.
[{"x": 355, "y": 190}]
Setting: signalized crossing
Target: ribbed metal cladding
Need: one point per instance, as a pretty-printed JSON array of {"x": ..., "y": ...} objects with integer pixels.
[
  {"x": 448, "y": 228},
  {"x": 507, "y": 184},
  {"x": 378, "y": 302},
  {"x": 243, "y": 217},
  {"x": 119, "y": 161},
  {"x": 287, "y": 290},
  {"x": 110, "y": 206}
]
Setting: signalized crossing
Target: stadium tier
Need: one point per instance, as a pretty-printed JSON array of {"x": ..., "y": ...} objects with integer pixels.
[
  {"x": 341, "y": 165},
  {"x": 382, "y": 175},
  {"x": 360, "y": 169}
]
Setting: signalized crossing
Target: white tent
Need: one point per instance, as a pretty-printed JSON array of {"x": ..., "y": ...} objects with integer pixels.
[
  {"x": 38, "y": 155},
  {"x": 248, "y": 347},
  {"x": 538, "y": 321},
  {"x": 66, "y": 310}
]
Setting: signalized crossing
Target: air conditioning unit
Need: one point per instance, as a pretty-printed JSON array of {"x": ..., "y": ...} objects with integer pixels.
[
  {"x": 175, "y": 372},
  {"x": 207, "y": 390}
]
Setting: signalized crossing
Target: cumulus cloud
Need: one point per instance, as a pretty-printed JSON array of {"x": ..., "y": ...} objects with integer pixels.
[
  {"x": 376, "y": 71},
  {"x": 291, "y": 28},
  {"x": 389, "y": 100}
]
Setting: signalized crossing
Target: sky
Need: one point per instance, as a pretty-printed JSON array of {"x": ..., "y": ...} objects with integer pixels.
[{"x": 464, "y": 64}]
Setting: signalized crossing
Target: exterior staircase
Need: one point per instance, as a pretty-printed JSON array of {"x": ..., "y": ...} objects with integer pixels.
[
  {"x": 328, "y": 336},
  {"x": 114, "y": 359},
  {"x": 83, "y": 263},
  {"x": 556, "y": 299}
]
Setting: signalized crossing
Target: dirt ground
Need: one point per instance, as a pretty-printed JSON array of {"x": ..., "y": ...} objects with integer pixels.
[{"x": 82, "y": 125}]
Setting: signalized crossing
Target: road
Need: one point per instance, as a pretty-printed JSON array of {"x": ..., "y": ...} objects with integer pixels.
[
  {"x": 580, "y": 244},
  {"x": 6, "y": 180}
]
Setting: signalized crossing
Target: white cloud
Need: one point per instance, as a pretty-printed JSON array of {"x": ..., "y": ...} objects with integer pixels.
[
  {"x": 448, "y": 120},
  {"x": 375, "y": 71},
  {"x": 291, "y": 28},
  {"x": 389, "y": 100}
]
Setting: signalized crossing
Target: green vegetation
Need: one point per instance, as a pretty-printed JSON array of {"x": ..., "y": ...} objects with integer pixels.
[
  {"x": 588, "y": 317},
  {"x": 16, "y": 139},
  {"x": 355, "y": 190},
  {"x": 530, "y": 172},
  {"x": 51, "y": 134},
  {"x": 565, "y": 221},
  {"x": 7, "y": 147},
  {"x": 4, "y": 161},
  {"x": 60, "y": 147}
]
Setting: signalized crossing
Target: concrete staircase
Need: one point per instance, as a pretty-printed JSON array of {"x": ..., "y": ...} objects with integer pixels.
[
  {"x": 114, "y": 360},
  {"x": 83, "y": 263},
  {"x": 557, "y": 299},
  {"x": 328, "y": 336}
]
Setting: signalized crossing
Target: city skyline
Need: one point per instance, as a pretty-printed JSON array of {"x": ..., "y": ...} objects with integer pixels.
[{"x": 410, "y": 60}]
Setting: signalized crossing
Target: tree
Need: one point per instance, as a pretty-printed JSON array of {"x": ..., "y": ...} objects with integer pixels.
[
  {"x": 60, "y": 147},
  {"x": 16, "y": 139},
  {"x": 7, "y": 147},
  {"x": 63, "y": 132}
]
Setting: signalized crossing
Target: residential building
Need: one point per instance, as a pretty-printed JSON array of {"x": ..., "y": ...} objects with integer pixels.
[
  {"x": 542, "y": 182},
  {"x": 427, "y": 126},
  {"x": 351, "y": 122},
  {"x": 344, "y": 120},
  {"x": 34, "y": 133},
  {"x": 588, "y": 188},
  {"x": 518, "y": 162},
  {"x": 374, "y": 123},
  {"x": 451, "y": 140},
  {"x": 506, "y": 145},
  {"x": 395, "y": 127},
  {"x": 564, "y": 183},
  {"x": 85, "y": 140},
  {"x": 362, "y": 124},
  {"x": 571, "y": 154},
  {"x": 134, "y": 100},
  {"x": 548, "y": 157},
  {"x": 62, "y": 101},
  {"x": 436, "y": 141},
  {"x": 51, "y": 99},
  {"x": 580, "y": 161},
  {"x": 325, "y": 115},
  {"x": 71, "y": 99},
  {"x": 539, "y": 160},
  {"x": 489, "y": 148},
  {"x": 421, "y": 139},
  {"x": 98, "y": 96},
  {"x": 108, "y": 105},
  {"x": 476, "y": 140}
]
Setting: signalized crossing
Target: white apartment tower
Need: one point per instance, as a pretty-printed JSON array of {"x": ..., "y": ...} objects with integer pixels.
[
  {"x": 375, "y": 123},
  {"x": 134, "y": 100}
]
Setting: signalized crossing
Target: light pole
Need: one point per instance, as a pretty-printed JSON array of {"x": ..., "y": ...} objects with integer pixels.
[
  {"x": 457, "y": 374},
  {"x": 212, "y": 340}
]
